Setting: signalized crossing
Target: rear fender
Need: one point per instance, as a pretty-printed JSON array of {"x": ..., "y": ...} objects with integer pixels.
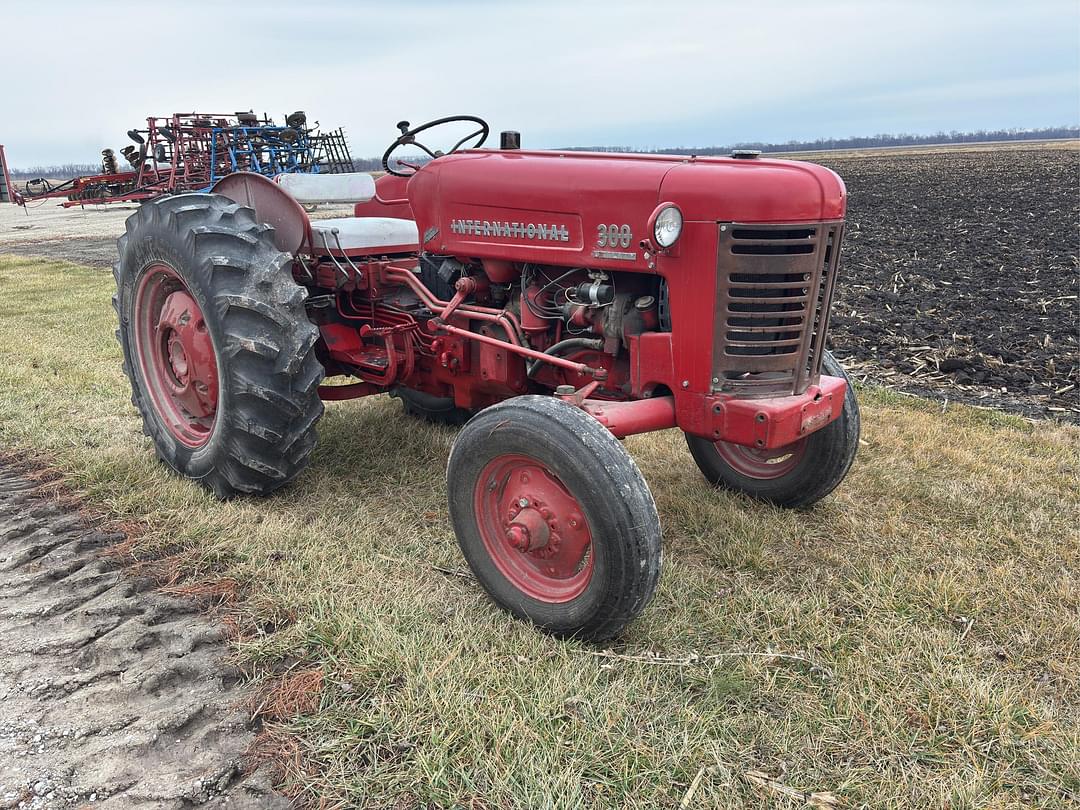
[{"x": 273, "y": 206}]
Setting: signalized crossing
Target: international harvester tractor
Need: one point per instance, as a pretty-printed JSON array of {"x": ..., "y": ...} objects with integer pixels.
[{"x": 553, "y": 302}]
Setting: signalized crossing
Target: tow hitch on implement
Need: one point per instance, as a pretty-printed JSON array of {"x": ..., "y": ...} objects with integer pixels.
[{"x": 553, "y": 303}]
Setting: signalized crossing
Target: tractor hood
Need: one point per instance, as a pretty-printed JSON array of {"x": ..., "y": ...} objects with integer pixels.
[{"x": 554, "y": 207}]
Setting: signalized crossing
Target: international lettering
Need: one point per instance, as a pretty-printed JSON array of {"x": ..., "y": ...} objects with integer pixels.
[{"x": 537, "y": 231}]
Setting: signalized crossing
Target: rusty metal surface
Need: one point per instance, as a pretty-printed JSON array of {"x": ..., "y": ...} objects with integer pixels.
[
  {"x": 272, "y": 205},
  {"x": 774, "y": 287}
]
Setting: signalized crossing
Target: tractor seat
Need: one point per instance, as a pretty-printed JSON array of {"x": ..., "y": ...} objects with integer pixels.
[
  {"x": 349, "y": 235},
  {"x": 365, "y": 235},
  {"x": 310, "y": 189}
]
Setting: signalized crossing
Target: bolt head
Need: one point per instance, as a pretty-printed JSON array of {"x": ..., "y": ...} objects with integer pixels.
[
  {"x": 523, "y": 502},
  {"x": 685, "y": 383}
]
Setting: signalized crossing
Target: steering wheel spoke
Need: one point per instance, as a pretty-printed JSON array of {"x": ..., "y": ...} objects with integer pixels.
[{"x": 468, "y": 137}]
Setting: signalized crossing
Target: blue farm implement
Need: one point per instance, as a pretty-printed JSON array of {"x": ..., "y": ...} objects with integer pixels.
[{"x": 188, "y": 152}]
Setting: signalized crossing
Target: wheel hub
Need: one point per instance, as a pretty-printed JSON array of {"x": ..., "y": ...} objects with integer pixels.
[
  {"x": 189, "y": 353},
  {"x": 534, "y": 528},
  {"x": 178, "y": 358},
  {"x": 176, "y": 355},
  {"x": 528, "y": 531}
]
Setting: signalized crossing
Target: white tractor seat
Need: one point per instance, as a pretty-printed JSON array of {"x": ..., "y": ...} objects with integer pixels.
[
  {"x": 365, "y": 235},
  {"x": 310, "y": 189}
]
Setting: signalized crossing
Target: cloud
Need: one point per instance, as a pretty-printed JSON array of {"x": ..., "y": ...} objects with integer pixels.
[{"x": 631, "y": 73}]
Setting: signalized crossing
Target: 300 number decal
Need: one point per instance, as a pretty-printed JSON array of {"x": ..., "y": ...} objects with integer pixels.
[{"x": 614, "y": 236}]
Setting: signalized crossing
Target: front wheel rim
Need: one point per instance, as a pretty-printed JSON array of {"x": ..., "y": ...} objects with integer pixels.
[
  {"x": 533, "y": 529},
  {"x": 176, "y": 355},
  {"x": 763, "y": 465}
]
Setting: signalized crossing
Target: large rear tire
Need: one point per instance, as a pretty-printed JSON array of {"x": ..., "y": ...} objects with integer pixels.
[
  {"x": 437, "y": 410},
  {"x": 794, "y": 476},
  {"x": 553, "y": 517},
  {"x": 217, "y": 344}
]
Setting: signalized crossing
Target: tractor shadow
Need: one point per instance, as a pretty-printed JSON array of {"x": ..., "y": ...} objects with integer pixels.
[{"x": 390, "y": 468}]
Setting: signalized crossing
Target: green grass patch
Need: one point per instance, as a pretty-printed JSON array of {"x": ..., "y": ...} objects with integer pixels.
[{"x": 936, "y": 594}]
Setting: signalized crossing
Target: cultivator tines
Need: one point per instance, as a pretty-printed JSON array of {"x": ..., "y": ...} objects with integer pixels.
[
  {"x": 331, "y": 152},
  {"x": 188, "y": 152}
]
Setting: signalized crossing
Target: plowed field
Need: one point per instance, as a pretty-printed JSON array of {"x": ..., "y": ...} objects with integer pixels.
[{"x": 960, "y": 274}]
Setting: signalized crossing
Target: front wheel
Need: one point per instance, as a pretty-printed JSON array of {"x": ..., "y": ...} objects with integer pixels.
[
  {"x": 797, "y": 475},
  {"x": 553, "y": 517}
]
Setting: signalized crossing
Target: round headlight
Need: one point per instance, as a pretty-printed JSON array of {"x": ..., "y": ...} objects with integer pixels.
[{"x": 667, "y": 225}]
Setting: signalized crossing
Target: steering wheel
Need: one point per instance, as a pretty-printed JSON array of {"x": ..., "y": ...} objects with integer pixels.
[{"x": 408, "y": 137}]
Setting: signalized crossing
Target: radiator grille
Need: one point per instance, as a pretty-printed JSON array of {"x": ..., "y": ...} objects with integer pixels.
[{"x": 774, "y": 288}]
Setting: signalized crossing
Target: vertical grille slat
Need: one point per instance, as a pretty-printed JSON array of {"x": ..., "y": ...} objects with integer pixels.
[{"x": 774, "y": 286}]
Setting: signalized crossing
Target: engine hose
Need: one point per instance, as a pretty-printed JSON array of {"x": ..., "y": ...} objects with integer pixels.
[{"x": 561, "y": 346}]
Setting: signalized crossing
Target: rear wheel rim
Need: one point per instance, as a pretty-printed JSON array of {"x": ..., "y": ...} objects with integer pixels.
[
  {"x": 763, "y": 465},
  {"x": 176, "y": 355},
  {"x": 534, "y": 529}
]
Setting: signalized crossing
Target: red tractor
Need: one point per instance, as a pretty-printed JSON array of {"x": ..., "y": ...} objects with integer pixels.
[{"x": 553, "y": 302}]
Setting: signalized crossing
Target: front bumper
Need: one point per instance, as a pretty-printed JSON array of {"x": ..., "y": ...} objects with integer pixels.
[
  {"x": 770, "y": 423},
  {"x": 759, "y": 423},
  {"x": 762, "y": 423}
]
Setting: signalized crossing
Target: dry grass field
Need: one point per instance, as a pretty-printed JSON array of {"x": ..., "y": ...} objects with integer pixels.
[{"x": 914, "y": 641}]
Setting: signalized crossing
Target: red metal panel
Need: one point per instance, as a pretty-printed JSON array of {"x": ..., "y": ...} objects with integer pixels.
[
  {"x": 584, "y": 191},
  {"x": 389, "y": 201},
  {"x": 777, "y": 422},
  {"x": 759, "y": 190},
  {"x": 515, "y": 190},
  {"x": 7, "y": 176}
]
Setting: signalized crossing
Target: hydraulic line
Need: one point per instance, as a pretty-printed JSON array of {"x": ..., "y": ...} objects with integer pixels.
[
  {"x": 563, "y": 345},
  {"x": 501, "y": 317}
]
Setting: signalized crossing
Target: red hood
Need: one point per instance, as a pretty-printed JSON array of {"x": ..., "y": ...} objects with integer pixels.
[{"x": 583, "y": 191}]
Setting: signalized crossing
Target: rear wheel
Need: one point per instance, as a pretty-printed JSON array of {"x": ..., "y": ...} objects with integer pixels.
[
  {"x": 438, "y": 410},
  {"x": 554, "y": 517},
  {"x": 796, "y": 475},
  {"x": 217, "y": 344}
]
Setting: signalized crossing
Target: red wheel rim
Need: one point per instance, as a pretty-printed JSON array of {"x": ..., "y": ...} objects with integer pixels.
[
  {"x": 534, "y": 530},
  {"x": 176, "y": 355},
  {"x": 764, "y": 465}
]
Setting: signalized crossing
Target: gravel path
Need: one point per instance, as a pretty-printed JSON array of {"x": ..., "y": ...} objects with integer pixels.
[
  {"x": 111, "y": 695},
  {"x": 84, "y": 236},
  {"x": 80, "y": 235}
]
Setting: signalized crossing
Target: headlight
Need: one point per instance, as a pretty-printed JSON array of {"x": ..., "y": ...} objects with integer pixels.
[{"x": 666, "y": 224}]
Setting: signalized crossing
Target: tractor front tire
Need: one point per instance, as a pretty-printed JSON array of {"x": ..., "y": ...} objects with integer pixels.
[
  {"x": 217, "y": 344},
  {"x": 553, "y": 517},
  {"x": 795, "y": 476}
]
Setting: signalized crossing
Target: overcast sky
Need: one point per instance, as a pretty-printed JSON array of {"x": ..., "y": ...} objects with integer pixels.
[{"x": 77, "y": 75}]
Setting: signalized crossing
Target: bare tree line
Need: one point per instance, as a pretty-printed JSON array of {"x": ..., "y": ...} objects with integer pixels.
[
  {"x": 860, "y": 142},
  {"x": 59, "y": 171}
]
